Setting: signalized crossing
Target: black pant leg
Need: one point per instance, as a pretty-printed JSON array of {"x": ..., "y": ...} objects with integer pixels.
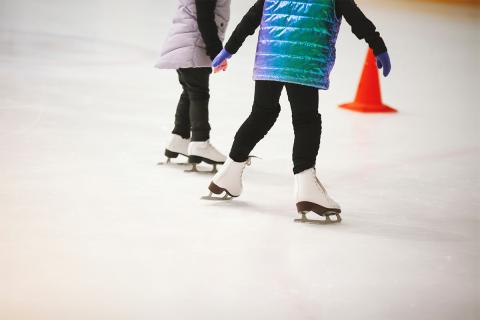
[
  {"x": 265, "y": 111},
  {"x": 307, "y": 125},
  {"x": 197, "y": 82},
  {"x": 182, "y": 115}
]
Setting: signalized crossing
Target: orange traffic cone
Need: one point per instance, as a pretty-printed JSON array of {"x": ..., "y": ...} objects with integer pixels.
[{"x": 369, "y": 96}]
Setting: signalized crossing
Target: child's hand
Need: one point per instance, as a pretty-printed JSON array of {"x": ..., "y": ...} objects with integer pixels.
[
  {"x": 220, "y": 62},
  {"x": 222, "y": 67},
  {"x": 383, "y": 61}
]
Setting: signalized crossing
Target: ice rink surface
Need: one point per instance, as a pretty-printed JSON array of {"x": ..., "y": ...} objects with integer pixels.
[{"x": 91, "y": 228}]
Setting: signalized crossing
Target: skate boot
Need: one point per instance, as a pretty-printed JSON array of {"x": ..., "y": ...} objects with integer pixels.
[
  {"x": 228, "y": 181},
  {"x": 176, "y": 146},
  {"x": 311, "y": 196},
  {"x": 199, "y": 152}
]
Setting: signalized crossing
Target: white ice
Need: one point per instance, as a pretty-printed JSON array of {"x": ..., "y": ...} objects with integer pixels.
[{"x": 91, "y": 228}]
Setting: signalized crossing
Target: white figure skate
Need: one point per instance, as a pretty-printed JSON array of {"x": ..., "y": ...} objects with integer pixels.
[
  {"x": 199, "y": 152},
  {"x": 176, "y": 146},
  {"x": 311, "y": 196},
  {"x": 228, "y": 181}
]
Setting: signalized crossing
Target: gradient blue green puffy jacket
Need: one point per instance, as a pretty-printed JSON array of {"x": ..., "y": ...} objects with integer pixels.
[{"x": 297, "y": 42}]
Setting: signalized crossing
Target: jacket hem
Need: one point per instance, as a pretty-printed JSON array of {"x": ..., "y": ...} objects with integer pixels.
[{"x": 320, "y": 86}]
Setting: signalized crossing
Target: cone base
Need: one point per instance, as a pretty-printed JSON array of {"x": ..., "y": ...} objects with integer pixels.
[{"x": 367, "y": 108}]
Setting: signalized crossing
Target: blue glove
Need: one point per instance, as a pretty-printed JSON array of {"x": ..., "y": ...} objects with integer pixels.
[
  {"x": 221, "y": 57},
  {"x": 383, "y": 61}
]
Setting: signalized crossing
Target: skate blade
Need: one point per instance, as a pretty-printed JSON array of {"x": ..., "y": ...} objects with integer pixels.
[
  {"x": 172, "y": 164},
  {"x": 194, "y": 169},
  {"x": 212, "y": 197},
  {"x": 169, "y": 162},
  {"x": 328, "y": 220}
]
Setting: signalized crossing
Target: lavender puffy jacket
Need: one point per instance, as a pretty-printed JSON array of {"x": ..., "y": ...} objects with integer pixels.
[{"x": 185, "y": 47}]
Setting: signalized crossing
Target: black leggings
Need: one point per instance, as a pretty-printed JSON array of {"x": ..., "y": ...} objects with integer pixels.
[
  {"x": 192, "y": 109},
  {"x": 307, "y": 122}
]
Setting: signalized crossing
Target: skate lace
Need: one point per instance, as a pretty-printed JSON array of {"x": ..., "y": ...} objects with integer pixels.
[
  {"x": 247, "y": 163},
  {"x": 319, "y": 184}
]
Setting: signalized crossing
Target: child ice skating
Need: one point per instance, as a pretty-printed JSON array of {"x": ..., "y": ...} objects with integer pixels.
[
  {"x": 194, "y": 40},
  {"x": 296, "y": 51}
]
